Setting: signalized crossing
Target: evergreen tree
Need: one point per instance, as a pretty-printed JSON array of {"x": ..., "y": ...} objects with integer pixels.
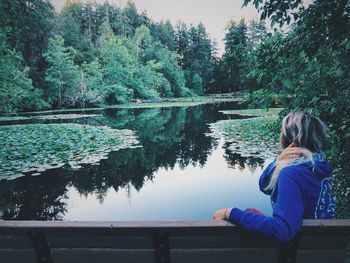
[
  {"x": 235, "y": 54},
  {"x": 182, "y": 41},
  {"x": 256, "y": 33},
  {"x": 133, "y": 19},
  {"x": 196, "y": 51},
  {"x": 164, "y": 33}
]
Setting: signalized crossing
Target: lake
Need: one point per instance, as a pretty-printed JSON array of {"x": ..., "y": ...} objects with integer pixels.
[{"x": 181, "y": 172}]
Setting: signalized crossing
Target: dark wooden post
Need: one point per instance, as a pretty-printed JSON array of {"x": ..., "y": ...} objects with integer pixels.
[
  {"x": 161, "y": 248},
  {"x": 288, "y": 251},
  {"x": 42, "y": 248}
]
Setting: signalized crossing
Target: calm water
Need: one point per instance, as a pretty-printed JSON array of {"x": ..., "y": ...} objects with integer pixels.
[{"x": 180, "y": 173}]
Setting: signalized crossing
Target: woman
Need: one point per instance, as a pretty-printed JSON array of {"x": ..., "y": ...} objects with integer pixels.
[{"x": 298, "y": 182}]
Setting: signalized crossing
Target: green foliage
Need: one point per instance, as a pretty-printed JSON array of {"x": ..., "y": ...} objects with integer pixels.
[
  {"x": 241, "y": 41},
  {"x": 169, "y": 68},
  {"x": 308, "y": 69},
  {"x": 197, "y": 83},
  {"x": 278, "y": 12},
  {"x": 29, "y": 25},
  {"x": 68, "y": 27},
  {"x": 34, "y": 148},
  {"x": 92, "y": 79},
  {"x": 164, "y": 33},
  {"x": 100, "y": 54},
  {"x": 118, "y": 68},
  {"x": 261, "y": 98},
  {"x": 197, "y": 55},
  {"x": 62, "y": 75},
  {"x": 267, "y": 63},
  {"x": 14, "y": 82}
]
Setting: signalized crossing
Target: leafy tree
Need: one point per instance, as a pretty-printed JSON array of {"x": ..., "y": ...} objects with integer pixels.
[
  {"x": 29, "y": 24},
  {"x": 148, "y": 82},
  {"x": 14, "y": 82},
  {"x": 197, "y": 83},
  {"x": 278, "y": 12},
  {"x": 92, "y": 78},
  {"x": 62, "y": 75},
  {"x": 118, "y": 67},
  {"x": 141, "y": 40},
  {"x": 170, "y": 69},
  {"x": 310, "y": 71}
]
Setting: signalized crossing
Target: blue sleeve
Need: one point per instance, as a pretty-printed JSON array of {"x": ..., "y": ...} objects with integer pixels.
[
  {"x": 288, "y": 211},
  {"x": 265, "y": 178}
]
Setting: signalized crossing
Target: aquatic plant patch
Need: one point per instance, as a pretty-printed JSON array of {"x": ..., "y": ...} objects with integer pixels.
[
  {"x": 255, "y": 112},
  {"x": 14, "y": 118},
  {"x": 49, "y": 117},
  {"x": 253, "y": 137},
  {"x": 34, "y": 148}
]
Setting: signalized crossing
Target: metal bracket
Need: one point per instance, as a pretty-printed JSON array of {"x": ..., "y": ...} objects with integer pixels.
[
  {"x": 161, "y": 248},
  {"x": 42, "y": 248}
]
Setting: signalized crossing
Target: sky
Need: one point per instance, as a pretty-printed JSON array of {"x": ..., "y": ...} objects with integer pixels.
[{"x": 214, "y": 14}]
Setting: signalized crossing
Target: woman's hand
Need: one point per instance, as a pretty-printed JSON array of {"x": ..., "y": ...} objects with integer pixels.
[
  {"x": 290, "y": 153},
  {"x": 222, "y": 214}
]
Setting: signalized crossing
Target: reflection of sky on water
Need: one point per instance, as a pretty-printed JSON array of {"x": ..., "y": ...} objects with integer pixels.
[{"x": 192, "y": 193}]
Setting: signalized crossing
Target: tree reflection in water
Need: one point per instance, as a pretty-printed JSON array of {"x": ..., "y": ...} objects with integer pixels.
[
  {"x": 34, "y": 198},
  {"x": 234, "y": 160},
  {"x": 168, "y": 136}
]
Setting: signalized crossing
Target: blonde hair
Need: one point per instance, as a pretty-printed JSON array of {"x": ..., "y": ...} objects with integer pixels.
[{"x": 304, "y": 131}]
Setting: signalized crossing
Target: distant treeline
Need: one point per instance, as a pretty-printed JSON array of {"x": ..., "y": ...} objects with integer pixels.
[{"x": 90, "y": 54}]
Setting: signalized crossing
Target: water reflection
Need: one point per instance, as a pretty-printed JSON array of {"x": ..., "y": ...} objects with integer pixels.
[
  {"x": 236, "y": 160},
  {"x": 34, "y": 198},
  {"x": 170, "y": 169}
]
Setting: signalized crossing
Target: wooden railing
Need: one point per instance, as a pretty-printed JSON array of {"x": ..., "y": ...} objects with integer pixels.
[{"x": 164, "y": 242}]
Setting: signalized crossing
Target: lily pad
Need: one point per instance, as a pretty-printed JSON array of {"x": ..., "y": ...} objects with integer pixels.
[
  {"x": 253, "y": 137},
  {"x": 35, "y": 148}
]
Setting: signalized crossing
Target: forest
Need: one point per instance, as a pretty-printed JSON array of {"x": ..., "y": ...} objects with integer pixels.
[{"x": 90, "y": 54}]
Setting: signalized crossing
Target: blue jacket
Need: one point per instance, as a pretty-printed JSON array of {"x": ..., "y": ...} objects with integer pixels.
[{"x": 302, "y": 192}]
